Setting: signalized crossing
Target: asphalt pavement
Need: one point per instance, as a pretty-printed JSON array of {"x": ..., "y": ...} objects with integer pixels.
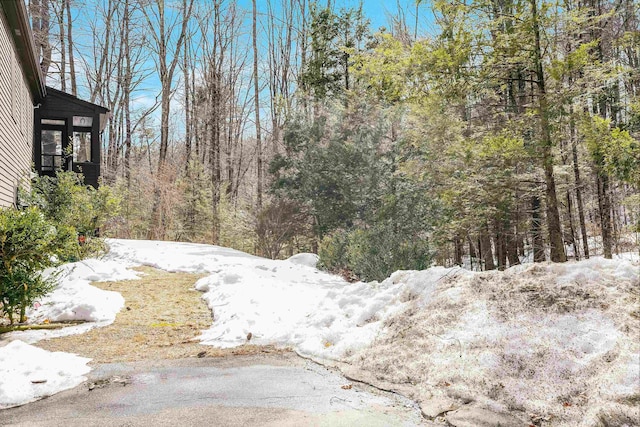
[{"x": 263, "y": 390}]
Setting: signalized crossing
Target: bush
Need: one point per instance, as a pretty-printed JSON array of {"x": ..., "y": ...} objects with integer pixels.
[
  {"x": 78, "y": 211},
  {"x": 374, "y": 253},
  {"x": 29, "y": 243},
  {"x": 333, "y": 252},
  {"x": 277, "y": 224}
]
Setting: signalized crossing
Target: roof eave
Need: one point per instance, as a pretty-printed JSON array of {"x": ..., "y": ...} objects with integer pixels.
[
  {"x": 16, "y": 14},
  {"x": 57, "y": 92}
]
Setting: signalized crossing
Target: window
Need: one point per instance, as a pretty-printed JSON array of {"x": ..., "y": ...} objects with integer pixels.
[
  {"x": 81, "y": 147},
  {"x": 55, "y": 122},
  {"x": 81, "y": 121},
  {"x": 51, "y": 149}
]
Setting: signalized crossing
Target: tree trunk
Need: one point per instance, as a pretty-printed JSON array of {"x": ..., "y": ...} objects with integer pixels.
[
  {"x": 553, "y": 216},
  {"x": 63, "y": 50},
  {"x": 72, "y": 65},
  {"x": 604, "y": 206},
  {"x": 500, "y": 244},
  {"x": 578, "y": 183},
  {"x": 485, "y": 249},
  {"x": 127, "y": 93},
  {"x": 164, "y": 123},
  {"x": 512, "y": 250},
  {"x": 256, "y": 88},
  {"x": 536, "y": 231},
  {"x": 41, "y": 30},
  {"x": 574, "y": 243},
  {"x": 187, "y": 106},
  {"x": 459, "y": 249}
]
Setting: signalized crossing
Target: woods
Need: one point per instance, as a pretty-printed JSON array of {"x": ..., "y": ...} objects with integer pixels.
[{"x": 480, "y": 133}]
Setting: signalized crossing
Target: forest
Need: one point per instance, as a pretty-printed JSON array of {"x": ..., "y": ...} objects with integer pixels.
[{"x": 475, "y": 133}]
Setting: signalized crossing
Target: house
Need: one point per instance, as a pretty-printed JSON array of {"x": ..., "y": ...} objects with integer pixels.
[
  {"x": 67, "y": 135},
  {"x": 40, "y": 126}
]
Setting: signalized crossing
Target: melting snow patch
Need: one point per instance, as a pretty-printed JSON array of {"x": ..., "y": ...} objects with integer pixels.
[
  {"x": 28, "y": 373},
  {"x": 75, "y": 299},
  {"x": 309, "y": 260},
  {"x": 557, "y": 340}
]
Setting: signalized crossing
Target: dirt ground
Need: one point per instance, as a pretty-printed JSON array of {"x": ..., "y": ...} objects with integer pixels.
[{"x": 162, "y": 318}]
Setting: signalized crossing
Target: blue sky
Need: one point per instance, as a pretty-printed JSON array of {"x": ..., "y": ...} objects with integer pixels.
[{"x": 377, "y": 11}]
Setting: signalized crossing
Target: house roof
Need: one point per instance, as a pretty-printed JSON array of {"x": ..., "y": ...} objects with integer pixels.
[
  {"x": 57, "y": 101},
  {"x": 15, "y": 12},
  {"x": 85, "y": 105}
]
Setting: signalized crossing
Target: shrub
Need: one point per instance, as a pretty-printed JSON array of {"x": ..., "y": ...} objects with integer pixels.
[
  {"x": 76, "y": 209},
  {"x": 374, "y": 253},
  {"x": 29, "y": 243},
  {"x": 333, "y": 252},
  {"x": 277, "y": 224}
]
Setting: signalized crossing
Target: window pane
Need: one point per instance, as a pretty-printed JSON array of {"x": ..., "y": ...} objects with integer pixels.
[
  {"x": 82, "y": 121},
  {"x": 52, "y": 122},
  {"x": 81, "y": 147},
  {"x": 51, "y": 142},
  {"x": 50, "y": 163},
  {"x": 47, "y": 162}
]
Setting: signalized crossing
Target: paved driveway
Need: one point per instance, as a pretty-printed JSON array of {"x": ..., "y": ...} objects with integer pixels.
[{"x": 271, "y": 390}]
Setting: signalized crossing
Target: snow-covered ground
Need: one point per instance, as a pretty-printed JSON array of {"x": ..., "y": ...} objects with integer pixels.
[
  {"x": 550, "y": 342},
  {"x": 28, "y": 373},
  {"x": 288, "y": 303},
  {"x": 555, "y": 342}
]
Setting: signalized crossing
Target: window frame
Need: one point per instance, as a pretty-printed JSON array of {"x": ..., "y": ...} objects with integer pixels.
[{"x": 81, "y": 129}]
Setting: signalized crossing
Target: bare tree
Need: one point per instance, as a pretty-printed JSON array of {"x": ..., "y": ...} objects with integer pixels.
[
  {"x": 70, "y": 46},
  {"x": 256, "y": 86},
  {"x": 162, "y": 32},
  {"x": 40, "y": 24}
]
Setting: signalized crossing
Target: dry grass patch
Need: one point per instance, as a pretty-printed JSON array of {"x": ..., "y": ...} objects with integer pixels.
[{"x": 162, "y": 318}]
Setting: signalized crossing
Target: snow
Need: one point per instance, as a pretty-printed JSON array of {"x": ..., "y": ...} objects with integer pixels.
[
  {"x": 28, "y": 373},
  {"x": 74, "y": 299},
  {"x": 553, "y": 339},
  {"x": 176, "y": 256},
  {"x": 287, "y": 303},
  {"x": 556, "y": 340},
  {"x": 310, "y": 260}
]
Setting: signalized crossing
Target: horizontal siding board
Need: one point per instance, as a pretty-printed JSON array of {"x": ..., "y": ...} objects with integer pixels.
[{"x": 16, "y": 124}]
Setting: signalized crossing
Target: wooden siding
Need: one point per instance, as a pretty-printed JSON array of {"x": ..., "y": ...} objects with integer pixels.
[{"x": 16, "y": 120}]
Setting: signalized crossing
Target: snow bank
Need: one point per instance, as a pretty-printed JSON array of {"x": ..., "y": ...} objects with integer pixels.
[
  {"x": 321, "y": 315},
  {"x": 176, "y": 256},
  {"x": 28, "y": 373},
  {"x": 555, "y": 341},
  {"x": 289, "y": 304},
  {"x": 75, "y": 299}
]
